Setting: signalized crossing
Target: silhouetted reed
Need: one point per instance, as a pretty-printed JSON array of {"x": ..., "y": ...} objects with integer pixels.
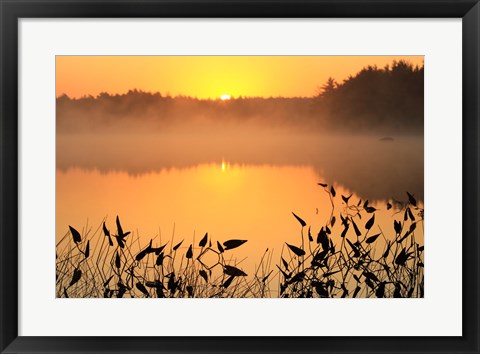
[
  {"x": 367, "y": 262},
  {"x": 362, "y": 260},
  {"x": 117, "y": 267}
]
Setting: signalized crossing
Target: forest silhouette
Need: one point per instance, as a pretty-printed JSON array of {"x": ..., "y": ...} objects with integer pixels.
[{"x": 386, "y": 101}]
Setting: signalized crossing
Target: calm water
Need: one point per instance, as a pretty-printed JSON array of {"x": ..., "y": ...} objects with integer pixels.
[{"x": 230, "y": 187}]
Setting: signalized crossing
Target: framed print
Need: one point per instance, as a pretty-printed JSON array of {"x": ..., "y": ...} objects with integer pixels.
[
  {"x": 225, "y": 145},
  {"x": 239, "y": 177}
]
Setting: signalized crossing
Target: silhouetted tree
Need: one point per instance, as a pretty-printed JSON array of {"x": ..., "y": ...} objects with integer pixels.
[{"x": 388, "y": 99}]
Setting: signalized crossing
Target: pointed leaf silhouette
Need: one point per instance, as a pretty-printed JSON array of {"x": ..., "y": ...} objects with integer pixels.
[
  {"x": 297, "y": 278},
  {"x": 332, "y": 247},
  {"x": 120, "y": 230},
  {"x": 380, "y": 292},
  {"x": 159, "y": 260},
  {"x": 319, "y": 256},
  {"x": 298, "y": 251},
  {"x": 141, "y": 255},
  {"x": 389, "y": 206},
  {"x": 345, "y": 199},
  {"x": 75, "y": 234},
  {"x": 266, "y": 277},
  {"x": 220, "y": 248},
  {"x": 172, "y": 285},
  {"x": 177, "y": 245},
  {"x": 401, "y": 258},
  {"x": 87, "y": 249},
  {"x": 411, "y": 199},
  {"x": 233, "y": 271},
  {"x": 189, "y": 252},
  {"x": 397, "y": 226},
  {"x": 410, "y": 215},
  {"x": 344, "y": 232},
  {"x": 303, "y": 223},
  {"x": 285, "y": 264},
  {"x": 227, "y": 283},
  {"x": 370, "y": 222},
  {"x": 371, "y": 276},
  {"x": 356, "y": 252},
  {"x": 117, "y": 261},
  {"x": 372, "y": 239},
  {"x": 203, "y": 241},
  {"x": 153, "y": 284},
  {"x": 119, "y": 227},
  {"x": 120, "y": 242},
  {"x": 285, "y": 275},
  {"x": 231, "y": 244},
  {"x": 328, "y": 274},
  {"x": 369, "y": 284},
  {"x": 142, "y": 288},
  {"x": 323, "y": 239},
  {"x": 332, "y": 190},
  {"x": 158, "y": 250},
  {"x": 105, "y": 230},
  {"x": 310, "y": 238},
  {"x": 355, "y": 293},
  {"x": 77, "y": 274},
  {"x": 204, "y": 275},
  {"x": 405, "y": 236},
  {"x": 107, "y": 281},
  {"x": 357, "y": 231},
  {"x": 332, "y": 221},
  {"x": 323, "y": 184},
  {"x": 413, "y": 226}
]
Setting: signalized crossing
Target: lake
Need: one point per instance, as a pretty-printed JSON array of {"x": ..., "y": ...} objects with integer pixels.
[{"x": 173, "y": 187}]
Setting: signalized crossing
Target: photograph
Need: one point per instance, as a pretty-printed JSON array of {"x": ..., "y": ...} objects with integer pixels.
[{"x": 239, "y": 176}]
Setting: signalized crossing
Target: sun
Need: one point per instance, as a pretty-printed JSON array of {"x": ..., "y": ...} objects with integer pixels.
[{"x": 225, "y": 97}]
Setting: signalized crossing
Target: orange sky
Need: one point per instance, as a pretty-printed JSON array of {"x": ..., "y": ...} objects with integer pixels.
[{"x": 209, "y": 76}]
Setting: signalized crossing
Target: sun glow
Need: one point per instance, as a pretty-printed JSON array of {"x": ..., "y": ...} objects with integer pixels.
[
  {"x": 224, "y": 166},
  {"x": 225, "y": 97}
]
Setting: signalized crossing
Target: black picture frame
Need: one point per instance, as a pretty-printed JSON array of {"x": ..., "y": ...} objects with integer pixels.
[{"x": 12, "y": 11}]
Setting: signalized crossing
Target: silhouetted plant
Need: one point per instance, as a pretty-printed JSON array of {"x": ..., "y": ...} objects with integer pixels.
[
  {"x": 363, "y": 261},
  {"x": 368, "y": 262},
  {"x": 156, "y": 270}
]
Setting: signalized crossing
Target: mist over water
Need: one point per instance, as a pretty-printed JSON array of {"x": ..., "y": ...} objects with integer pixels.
[{"x": 371, "y": 167}]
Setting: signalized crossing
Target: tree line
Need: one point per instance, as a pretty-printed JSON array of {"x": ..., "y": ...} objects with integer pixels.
[
  {"x": 389, "y": 98},
  {"x": 386, "y": 100}
]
